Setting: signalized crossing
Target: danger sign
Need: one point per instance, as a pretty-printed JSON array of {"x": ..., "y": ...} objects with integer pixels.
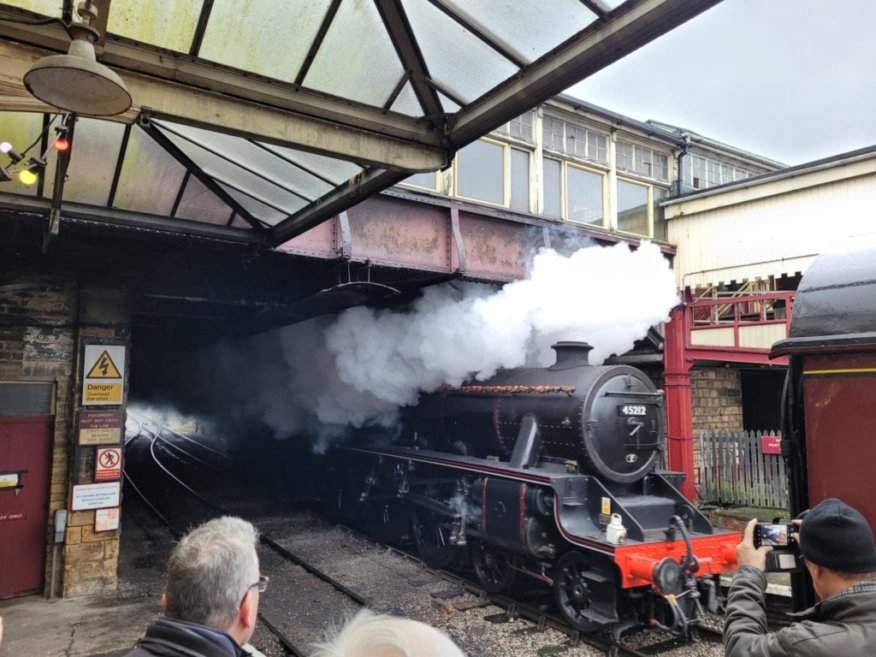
[
  {"x": 103, "y": 375},
  {"x": 108, "y": 464}
]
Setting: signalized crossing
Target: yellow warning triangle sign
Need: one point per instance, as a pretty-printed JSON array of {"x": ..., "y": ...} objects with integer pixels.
[{"x": 104, "y": 368}]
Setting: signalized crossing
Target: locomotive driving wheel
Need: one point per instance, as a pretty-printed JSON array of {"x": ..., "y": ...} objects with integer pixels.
[
  {"x": 432, "y": 531},
  {"x": 584, "y": 592},
  {"x": 493, "y": 570}
]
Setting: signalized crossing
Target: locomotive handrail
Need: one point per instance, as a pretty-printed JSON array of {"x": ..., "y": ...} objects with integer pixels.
[{"x": 632, "y": 393}]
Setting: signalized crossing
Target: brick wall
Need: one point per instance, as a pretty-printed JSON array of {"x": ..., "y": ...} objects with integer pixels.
[
  {"x": 716, "y": 403},
  {"x": 91, "y": 558},
  {"x": 37, "y": 338},
  {"x": 716, "y": 399},
  {"x": 44, "y": 319}
]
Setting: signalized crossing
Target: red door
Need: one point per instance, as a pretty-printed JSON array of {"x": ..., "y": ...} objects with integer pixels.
[{"x": 24, "y": 502}]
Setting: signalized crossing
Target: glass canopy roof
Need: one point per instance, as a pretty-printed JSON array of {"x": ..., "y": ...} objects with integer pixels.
[{"x": 274, "y": 116}]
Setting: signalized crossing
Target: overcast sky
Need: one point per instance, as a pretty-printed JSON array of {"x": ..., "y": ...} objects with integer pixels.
[{"x": 793, "y": 80}]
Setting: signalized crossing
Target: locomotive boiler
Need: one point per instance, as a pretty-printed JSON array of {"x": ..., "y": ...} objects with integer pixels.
[{"x": 552, "y": 473}]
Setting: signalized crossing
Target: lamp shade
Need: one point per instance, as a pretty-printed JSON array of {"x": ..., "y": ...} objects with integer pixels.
[{"x": 76, "y": 82}]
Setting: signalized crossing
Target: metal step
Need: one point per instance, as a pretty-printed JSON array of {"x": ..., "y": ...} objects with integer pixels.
[
  {"x": 595, "y": 577},
  {"x": 597, "y": 616}
]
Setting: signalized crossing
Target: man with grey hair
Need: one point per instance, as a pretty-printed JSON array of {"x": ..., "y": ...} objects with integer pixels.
[{"x": 212, "y": 594}]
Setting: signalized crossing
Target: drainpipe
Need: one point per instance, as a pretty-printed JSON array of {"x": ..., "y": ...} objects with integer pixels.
[{"x": 679, "y": 182}]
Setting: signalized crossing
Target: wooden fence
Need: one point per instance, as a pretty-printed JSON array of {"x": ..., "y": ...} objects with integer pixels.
[{"x": 735, "y": 470}]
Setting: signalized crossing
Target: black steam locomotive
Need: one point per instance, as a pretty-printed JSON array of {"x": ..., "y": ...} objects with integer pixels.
[{"x": 554, "y": 474}]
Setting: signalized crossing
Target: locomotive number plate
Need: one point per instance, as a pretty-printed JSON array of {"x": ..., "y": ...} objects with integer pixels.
[{"x": 632, "y": 410}]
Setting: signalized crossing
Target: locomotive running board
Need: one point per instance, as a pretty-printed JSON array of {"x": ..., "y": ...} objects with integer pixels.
[
  {"x": 466, "y": 463},
  {"x": 572, "y": 519},
  {"x": 559, "y": 481}
]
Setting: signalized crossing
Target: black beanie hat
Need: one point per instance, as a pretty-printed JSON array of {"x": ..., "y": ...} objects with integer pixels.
[{"x": 836, "y": 536}]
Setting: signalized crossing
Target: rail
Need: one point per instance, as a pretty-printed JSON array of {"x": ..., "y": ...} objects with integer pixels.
[{"x": 739, "y": 328}]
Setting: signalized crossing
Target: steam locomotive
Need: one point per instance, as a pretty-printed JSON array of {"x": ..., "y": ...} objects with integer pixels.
[{"x": 553, "y": 474}]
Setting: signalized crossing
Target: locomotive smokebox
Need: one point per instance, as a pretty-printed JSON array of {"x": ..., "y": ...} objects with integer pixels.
[{"x": 607, "y": 419}]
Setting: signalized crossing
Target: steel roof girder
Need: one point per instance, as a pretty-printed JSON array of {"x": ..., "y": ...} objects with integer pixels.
[
  {"x": 205, "y": 109},
  {"x": 338, "y": 200},
  {"x": 408, "y": 50},
  {"x": 623, "y": 30},
  {"x": 344, "y": 113},
  {"x": 126, "y": 218},
  {"x": 215, "y": 111},
  {"x": 123, "y": 56}
]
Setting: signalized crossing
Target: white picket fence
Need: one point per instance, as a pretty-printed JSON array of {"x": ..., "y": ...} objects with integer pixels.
[{"x": 734, "y": 470}]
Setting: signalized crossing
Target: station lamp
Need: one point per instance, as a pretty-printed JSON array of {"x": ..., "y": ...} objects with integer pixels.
[
  {"x": 29, "y": 175},
  {"x": 14, "y": 157},
  {"x": 6, "y": 148},
  {"x": 31, "y": 169},
  {"x": 62, "y": 141},
  {"x": 76, "y": 82}
]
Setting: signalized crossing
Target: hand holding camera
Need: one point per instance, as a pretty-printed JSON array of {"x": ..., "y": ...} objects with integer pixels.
[
  {"x": 782, "y": 538},
  {"x": 774, "y": 534}
]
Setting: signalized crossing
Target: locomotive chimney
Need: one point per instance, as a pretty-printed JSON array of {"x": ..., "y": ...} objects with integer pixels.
[{"x": 570, "y": 354}]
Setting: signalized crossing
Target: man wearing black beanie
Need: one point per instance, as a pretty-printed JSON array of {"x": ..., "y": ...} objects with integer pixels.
[{"x": 840, "y": 555}]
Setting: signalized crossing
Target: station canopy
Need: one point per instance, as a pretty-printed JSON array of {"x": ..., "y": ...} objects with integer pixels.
[{"x": 255, "y": 120}]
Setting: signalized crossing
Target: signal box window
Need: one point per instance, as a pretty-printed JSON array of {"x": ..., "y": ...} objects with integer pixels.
[
  {"x": 519, "y": 180},
  {"x": 632, "y": 208},
  {"x": 426, "y": 180},
  {"x": 657, "y": 195},
  {"x": 479, "y": 172},
  {"x": 585, "y": 196},
  {"x": 553, "y": 188}
]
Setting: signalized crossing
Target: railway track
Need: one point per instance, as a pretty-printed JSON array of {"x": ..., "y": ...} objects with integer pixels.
[
  {"x": 284, "y": 607},
  {"x": 537, "y": 612},
  {"x": 332, "y": 584}
]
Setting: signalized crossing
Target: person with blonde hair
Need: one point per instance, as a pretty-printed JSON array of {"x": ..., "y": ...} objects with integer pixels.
[{"x": 368, "y": 634}]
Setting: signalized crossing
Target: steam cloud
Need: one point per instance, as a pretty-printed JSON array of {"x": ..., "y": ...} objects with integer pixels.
[{"x": 325, "y": 375}]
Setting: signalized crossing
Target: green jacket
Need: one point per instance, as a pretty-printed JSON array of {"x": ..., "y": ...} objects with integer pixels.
[{"x": 843, "y": 625}]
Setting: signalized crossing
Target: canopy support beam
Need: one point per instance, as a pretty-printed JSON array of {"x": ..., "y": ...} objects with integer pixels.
[{"x": 621, "y": 32}]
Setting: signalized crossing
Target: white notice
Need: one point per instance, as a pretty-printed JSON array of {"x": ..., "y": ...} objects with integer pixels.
[{"x": 96, "y": 496}]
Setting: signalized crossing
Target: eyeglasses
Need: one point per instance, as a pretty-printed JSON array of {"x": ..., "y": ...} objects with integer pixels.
[{"x": 261, "y": 586}]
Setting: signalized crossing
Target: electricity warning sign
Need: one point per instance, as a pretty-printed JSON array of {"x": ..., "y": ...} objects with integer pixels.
[
  {"x": 104, "y": 368},
  {"x": 103, "y": 378}
]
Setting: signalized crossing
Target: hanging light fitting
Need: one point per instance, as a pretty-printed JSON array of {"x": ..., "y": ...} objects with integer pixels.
[{"x": 76, "y": 82}]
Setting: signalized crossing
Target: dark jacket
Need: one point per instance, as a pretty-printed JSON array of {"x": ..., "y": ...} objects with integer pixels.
[
  {"x": 843, "y": 625},
  {"x": 168, "y": 637}
]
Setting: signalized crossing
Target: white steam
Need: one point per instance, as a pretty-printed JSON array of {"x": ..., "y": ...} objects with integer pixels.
[{"x": 324, "y": 375}]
